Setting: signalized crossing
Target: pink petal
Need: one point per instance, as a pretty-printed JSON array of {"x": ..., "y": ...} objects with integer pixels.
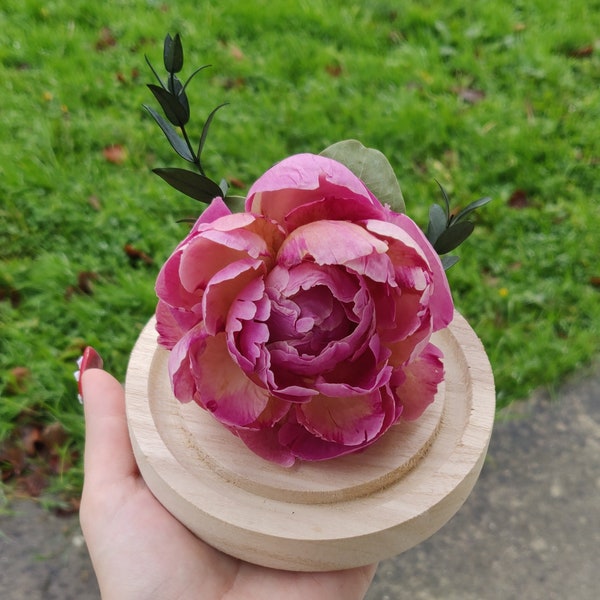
[
  {"x": 307, "y": 446},
  {"x": 173, "y": 323},
  {"x": 266, "y": 444},
  {"x": 302, "y": 444},
  {"x": 348, "y": 421},
  {"x": 169, "y": 287},
  {"x": 216, "y": 209},
  {"x": 220, "y": 385},
  {"x": 202, "y": 258},
  {"x": 328, "y": 243},
  {"x": 179, "y": 365},
  {"x": 247, "y": 332},
  {"x": 320, "y": 317},
  {"x": 421, "y": 378},
  {"x": 409, "y": 348},
  {"x": 333, "y": 209},
  {"x": 441, "y": 304},
  {"x": 411, "y": 253},
  {"x": 224, "y": 287},
  {"x": 304, "y": 179},
  {"x": 360, "y": 374},
  {"x": 214, "y": 246}
]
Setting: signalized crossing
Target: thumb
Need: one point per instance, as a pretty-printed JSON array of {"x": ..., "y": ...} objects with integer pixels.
[{"x": 108, "y": 455}]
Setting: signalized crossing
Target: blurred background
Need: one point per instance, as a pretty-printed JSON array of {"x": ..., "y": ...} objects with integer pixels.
[{"x": 497, "y": 99}]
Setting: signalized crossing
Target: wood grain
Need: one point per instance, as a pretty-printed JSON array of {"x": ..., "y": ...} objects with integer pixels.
[{"x": 315, "y": 516}]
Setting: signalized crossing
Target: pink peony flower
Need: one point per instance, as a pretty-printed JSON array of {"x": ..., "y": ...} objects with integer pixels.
[{"x": 303, "y": 324}]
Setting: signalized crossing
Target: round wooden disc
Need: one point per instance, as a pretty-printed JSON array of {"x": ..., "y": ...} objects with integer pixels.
[{"x": 314, "y": 516}]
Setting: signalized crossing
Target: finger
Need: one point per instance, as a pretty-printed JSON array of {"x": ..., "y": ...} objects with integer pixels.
[{"x": 108, "y": 455}]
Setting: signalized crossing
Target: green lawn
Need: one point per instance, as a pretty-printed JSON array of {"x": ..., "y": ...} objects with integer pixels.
[{"x": 488, "y": 98}]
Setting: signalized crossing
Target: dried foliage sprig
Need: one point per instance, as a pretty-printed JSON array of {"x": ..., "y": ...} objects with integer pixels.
[{"x": 445, "y": 231}]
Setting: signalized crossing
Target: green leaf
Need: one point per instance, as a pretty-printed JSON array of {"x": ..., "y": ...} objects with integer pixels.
[
  {"x": 224, "y": 187},
  {"x": 205, "y": 128},
  {"x": 235, "y": 203},
  {"x": 470, "y": 208},
  {"x": 192, "y": 184},
  {"x": 176, "y": 142},
  {"x": 372, "y": 167},
  {"x": 195, "y": 73},
  {"x": 437, "y": 223},
  {"x": 449, "y": 261},
  {"x": 174, "y": 85},
  {"x": 176, "y": 111},
  {"x": 454, "y": 236},
  {"x": 446, "y": 200},
  {"x": 155, "y": 73},
  {"x": 173, "y": 54}
]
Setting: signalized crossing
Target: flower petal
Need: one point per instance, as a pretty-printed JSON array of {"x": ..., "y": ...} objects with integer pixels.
[
  {"x": 247, "y": 332},
  {"x": 305, "y": 446},
  {"x": 350, "y": 421},
  {"x": 223, "y": 288},
  {"x": 173, "y": 323},
  {"x": 216, "y": 209},
  {"x": 420, "y": 380},
  {"x": 441, "y": 304},
  {"x": 203, "y": 257},
  {"x": 266, "y": 444},
  {"x": 359, "y": 375},
  {"x": 220, "y": 386},
  {"x": 169, "y": 287},
  {"x": 407, "y": 349},
  {"x": 330, "y": 209},
  {"x": 303, "y": 179},
  {"x": 328, "y": 243}
]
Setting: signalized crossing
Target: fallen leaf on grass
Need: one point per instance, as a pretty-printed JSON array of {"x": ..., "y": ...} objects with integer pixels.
[
  {"x": 53, "y": 436},
  {"x": 17, "y": 381},
  {"x": 233, "y": 83},
  {"x": 94, "y": 202},
  {"x": 32, "y": 454},
  {"x": 122, "y": 78},
  {"x": 105, "y": 40},
  {"x": 84, "y": 281},
  {"x": 335, "y": 70},
  {"x": 84, "y": 285},
  {"x": 30, "y": 437},
  {"x": 519, "y": 199},
  {"x": 236, "y": 52},
  {"x": 33, "y": 483},
  {"x": 7, "y": 292},
  {"x": 581, "y": 52},
  {"x": 12, "y": 461},
  {"x": 469, "y": 95},
  {"x": 236, "y": 183},
  {"x": 115, "y": 154},
  {"x": 135, "y": 255}
]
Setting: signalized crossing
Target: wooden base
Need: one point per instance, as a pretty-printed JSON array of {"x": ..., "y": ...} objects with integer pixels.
[{"x": 315, "y": 516}]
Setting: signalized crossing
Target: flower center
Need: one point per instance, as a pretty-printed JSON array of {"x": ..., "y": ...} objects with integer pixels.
[{"x": 318, "y": 319}]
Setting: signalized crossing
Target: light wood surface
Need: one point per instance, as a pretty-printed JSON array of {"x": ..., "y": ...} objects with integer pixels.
[{"x": 315, "y": 516}]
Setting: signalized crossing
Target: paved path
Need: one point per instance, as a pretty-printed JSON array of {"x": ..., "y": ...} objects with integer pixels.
[{"x": 530, "y": 529}]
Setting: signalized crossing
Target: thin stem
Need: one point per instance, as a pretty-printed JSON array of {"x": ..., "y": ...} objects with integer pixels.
[{"x": 189, "y": 145}]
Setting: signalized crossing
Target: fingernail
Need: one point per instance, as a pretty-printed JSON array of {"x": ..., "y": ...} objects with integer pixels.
[{"x": 90, "y": 359}]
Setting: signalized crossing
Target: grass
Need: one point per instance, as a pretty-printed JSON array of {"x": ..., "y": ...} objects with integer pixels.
[{"x": 489, "y": 98}]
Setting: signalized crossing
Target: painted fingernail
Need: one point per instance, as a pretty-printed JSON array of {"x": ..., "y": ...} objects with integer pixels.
[{"x": 90, "y": 359}]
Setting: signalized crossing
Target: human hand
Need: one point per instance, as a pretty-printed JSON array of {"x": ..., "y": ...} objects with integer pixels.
[{"x": 140, "y": 551}]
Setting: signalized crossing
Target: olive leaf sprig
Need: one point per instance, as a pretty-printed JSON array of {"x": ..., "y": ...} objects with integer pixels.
[
  {"x": 446, "y": 231},
  {"x": 173, "y": 100}
]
